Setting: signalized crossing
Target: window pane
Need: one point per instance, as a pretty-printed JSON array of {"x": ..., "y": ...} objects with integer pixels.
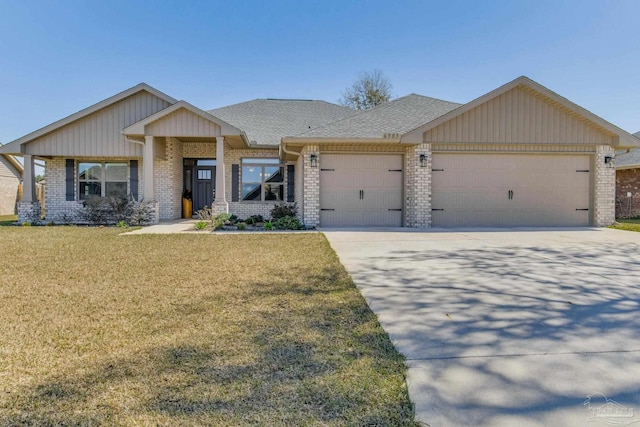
[
  {"x": 204, "y": 174},
  {"x": 251, "y": 174},
  {"x": 90, "y": 171},
  {"x": 251, "y": 191},
  {"x": 206, "y": 162},
  {"x": 116, "y": 189},
  {"x": 273, "y": 174},
  {"x": 263, "y": 161},
  {"x": 89, "y": 189},
  {"x": 273, "y": 192},
  {"x": 116, "y": 171}
]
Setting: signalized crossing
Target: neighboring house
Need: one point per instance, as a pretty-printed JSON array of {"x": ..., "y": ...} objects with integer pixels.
[
  {"x": 520, "y": 155},
  {"x": 10, "y": 176},
  {"x": 628, "y": 183}
]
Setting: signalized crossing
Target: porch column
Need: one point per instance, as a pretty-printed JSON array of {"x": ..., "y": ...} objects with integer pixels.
[
  {"x": 221, "y": 198},
  {"x": 29, "y": 180},
  {"x": 149, "y": 192}
]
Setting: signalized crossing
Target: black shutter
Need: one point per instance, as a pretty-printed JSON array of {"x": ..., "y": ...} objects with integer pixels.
[
  {"x": 70, "y": 189},
  {"x": 235, "y": 182},
  {"x": 133, "y": 178},
  {"x": 291, "y": 184}
]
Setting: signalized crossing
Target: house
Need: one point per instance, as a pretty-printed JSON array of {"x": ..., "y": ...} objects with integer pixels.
[
  {"x": 10, "y": 177},
  {"x": 520, "y": 155},
  {"x": 628, "y": 183}
]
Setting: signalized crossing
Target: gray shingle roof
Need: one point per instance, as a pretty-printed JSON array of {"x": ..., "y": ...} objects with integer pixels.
[
  {"x": 266, "y": 121},
  {"x": 398, "y": 116},
  {"x": 631, "y": 158}
]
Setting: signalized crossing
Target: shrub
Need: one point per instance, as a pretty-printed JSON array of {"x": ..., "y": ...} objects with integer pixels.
[
  {"x": 122, "y": 224},
  {"x": 205, "y": 214},
  {"x": 95, "y": 210},
  {"x": 200, "y": 225},
  {"x": 288, "y": 223},
  {"x": 242, "y": 226},
  {"x": 139, "y": 214},
  {"x": 268, "y": 225},
  {"x": 283, "y": 209},
  {"x": 254, "y": 219}
]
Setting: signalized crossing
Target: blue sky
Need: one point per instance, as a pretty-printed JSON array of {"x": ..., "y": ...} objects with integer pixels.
[{"x": 59, "y": 57}]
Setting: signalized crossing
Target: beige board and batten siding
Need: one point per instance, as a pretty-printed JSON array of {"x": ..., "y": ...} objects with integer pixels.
[
  {"x": 100, "y": 133},
  {"x": 520, "y": 116},
  {"x": 508, "y": 190},
  {"x": 361, "y": 190},
  {"x": 183, "y": 123}
]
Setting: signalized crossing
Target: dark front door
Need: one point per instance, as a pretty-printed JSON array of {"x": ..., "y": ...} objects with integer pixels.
[{"x": 204, "y": 178}]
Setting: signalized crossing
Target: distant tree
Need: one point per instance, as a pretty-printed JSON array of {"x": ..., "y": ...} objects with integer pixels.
[
  {"x": 371, "y": 89},
  {"x": 39, "y": 178}
]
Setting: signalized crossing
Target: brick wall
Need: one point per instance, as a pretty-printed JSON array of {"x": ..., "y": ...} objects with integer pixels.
[
  {"x": 168, "y": 179},
  {"x": 627, "y": 181},
  {"x": 604, "y": 188},
  {"x": 311, "y": 186},
  {"x": 57, "y": 208},
  {"x": 418, "y": 187}
]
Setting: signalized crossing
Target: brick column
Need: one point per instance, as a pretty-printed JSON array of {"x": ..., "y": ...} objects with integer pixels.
[
  {"x": 311, "y": 179},
  {"x": 418, "y": 187},
  {"x": 604, "y": 197}
]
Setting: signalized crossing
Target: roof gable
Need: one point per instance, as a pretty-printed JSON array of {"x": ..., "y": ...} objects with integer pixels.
[
  {"x": 182, "y": 119},
  {"x": 521, "y": 111}
]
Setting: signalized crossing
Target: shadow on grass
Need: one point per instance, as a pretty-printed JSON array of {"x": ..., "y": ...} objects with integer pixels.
[{"x": 325, "y": 361}]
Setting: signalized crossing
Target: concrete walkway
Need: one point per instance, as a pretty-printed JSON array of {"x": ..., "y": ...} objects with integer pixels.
[
  {"x": 508, "y": 327},
  {"x": 167, "y": 227}
]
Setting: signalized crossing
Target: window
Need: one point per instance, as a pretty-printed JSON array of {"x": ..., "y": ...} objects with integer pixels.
[
  {"x": 262, "y": 180},
  {"x": 102, "y": 179}
]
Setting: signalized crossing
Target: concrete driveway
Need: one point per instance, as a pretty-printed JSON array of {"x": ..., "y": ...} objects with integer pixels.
[{"x": 508, "y": 327}]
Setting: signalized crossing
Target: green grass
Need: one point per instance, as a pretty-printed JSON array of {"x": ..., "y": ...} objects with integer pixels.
[
  {"x": 102, "y": 329},
  {"x": 8, "y": 219},
  {"x": 632, "y": 224}
]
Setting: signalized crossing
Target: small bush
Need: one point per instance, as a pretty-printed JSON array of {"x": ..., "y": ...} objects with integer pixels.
[
  {"x": 242, "y": 226},
  {"x": 139, "y": 213},
  {"x": 288, "y": 223},
  {"x": 281, "y": 210},
  {"x": 268, "y": 225},
  {"x": 254, "y": 219},
  {"x": 122, "y": 224},
  {"x": 200, "y": 225},
  {"x": 205, "y": 214},
  {"x": 26, "y": 224}
]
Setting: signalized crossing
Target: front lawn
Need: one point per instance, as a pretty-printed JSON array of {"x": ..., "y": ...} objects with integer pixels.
[
  {"x": 102, "y": 329},
  {"x": 627, "y": 224},
  {"x": 8, "y": 219}
]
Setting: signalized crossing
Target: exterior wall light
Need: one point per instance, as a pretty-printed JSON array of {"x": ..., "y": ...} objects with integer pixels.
[
  {"x": 313, "y": 158},
  {"x": 608, "y": 160},
  {"x": 423, "y": 160}
]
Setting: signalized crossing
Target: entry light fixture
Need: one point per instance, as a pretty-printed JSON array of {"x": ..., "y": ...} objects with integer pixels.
[
  {"x": 423, "y": 160},
  {"x": 608, "y": 160},
  {"x": 314, "y": 160}
]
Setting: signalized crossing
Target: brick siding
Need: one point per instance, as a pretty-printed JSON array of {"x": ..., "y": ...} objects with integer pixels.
[{"x": 627, "y": 181}]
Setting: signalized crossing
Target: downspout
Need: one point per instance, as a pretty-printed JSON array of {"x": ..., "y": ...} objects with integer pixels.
[{"x": 284, "y": 150}]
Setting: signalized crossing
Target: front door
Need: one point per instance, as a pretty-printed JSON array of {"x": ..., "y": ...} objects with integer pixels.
[
  {"x": 199, "y": 182},
  {"x": 203, "y": 188}
]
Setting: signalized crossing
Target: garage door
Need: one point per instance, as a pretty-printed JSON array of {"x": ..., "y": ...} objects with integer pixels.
[
  {"x": 360, "y": 190},
  {"x": 489, "y": 190}
]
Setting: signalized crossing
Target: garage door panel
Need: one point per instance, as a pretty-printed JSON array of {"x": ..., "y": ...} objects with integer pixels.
[
  {"x": 361, "y": 190},
  {"x": 546, "y": 190}
]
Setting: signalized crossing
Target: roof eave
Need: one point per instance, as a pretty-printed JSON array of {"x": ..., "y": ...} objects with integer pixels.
[
  {"x": 316, "y": 140},
  {"x": 14, "y": 145}
]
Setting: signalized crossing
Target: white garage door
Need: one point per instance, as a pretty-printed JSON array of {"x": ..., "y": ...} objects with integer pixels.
[
  {"x": 492, "y": 190},
  {"x": 360, "y": 190}
]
